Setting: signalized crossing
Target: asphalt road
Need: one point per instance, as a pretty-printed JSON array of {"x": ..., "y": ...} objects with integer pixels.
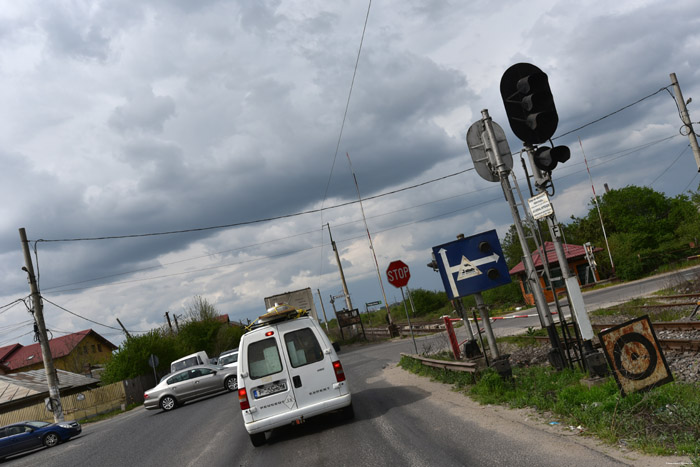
[
  {"x": 596, "y": 299},
  {"x": 398, "y": 422}
]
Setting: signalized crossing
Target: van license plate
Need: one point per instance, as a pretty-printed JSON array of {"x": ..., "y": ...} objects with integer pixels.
[{"x": 268, "y": 389}]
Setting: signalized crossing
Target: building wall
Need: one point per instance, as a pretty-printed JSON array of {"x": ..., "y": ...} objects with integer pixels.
[
  {"x": 90, "y": 351},
  {"x": 573, "y": 267}
]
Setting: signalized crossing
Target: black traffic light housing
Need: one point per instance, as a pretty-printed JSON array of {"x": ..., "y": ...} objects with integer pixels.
[
  {"x": 546, "y": 158},
  {"x": 529, "y": 103}
]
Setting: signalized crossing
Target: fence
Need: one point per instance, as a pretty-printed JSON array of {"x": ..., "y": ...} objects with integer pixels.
[{"x": 75, "y": 406}]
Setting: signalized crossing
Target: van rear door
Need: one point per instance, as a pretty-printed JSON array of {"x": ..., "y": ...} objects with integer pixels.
[
  {"x": 268, "y": 386},
  {"x": 310, "y": 367}
]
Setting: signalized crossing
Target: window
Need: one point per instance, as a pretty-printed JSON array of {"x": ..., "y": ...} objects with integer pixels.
[
  {"x": 263, "y": 358},
  {"x": 178, "y": 378},
  {"x": 99, "y": 347},
  {"x": 93, "y": 348},
  {"x": 303, "y": 347}
]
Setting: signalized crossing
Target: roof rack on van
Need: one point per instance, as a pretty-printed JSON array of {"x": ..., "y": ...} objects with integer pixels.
[{"x": 279, "y": 312}]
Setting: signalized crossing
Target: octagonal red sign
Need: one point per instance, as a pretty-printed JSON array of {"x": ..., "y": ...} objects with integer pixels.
[{"x": 398, "y": 274}]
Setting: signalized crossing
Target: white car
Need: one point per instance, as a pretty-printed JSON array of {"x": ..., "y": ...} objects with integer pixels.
[
  {"x": 229, "y": 358},
  {"x": 288, "y": 371}
]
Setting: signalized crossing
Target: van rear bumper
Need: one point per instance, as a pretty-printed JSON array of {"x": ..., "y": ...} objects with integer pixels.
[{"x": 309, "y": 411}]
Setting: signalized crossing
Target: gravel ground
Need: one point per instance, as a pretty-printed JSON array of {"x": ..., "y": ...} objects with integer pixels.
[{"x": 685, "y": 366}]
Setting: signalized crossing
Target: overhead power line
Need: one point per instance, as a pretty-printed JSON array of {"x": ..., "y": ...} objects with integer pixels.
[
  {"x": 83, "y": 317},
  {"x": 257, "y": 221},
  {"x": 613, "y": 113}
]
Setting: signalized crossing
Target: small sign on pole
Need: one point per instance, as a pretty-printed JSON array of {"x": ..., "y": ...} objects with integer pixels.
[{"x": 540, "y": 206}]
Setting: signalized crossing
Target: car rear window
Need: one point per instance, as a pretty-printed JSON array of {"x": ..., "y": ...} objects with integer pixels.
[
  {"x": 303, "y": 347},
  {"x": 263, "y": 358},
  {"x": 182, "y": 364}
]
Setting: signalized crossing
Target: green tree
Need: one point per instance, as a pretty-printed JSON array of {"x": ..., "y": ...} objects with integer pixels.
[
  {"x": 426, "y": 301},
  {"x": 131, "y": 358}
]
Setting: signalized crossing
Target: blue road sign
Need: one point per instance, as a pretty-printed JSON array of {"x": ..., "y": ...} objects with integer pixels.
[{"x": 472, "y": 264}]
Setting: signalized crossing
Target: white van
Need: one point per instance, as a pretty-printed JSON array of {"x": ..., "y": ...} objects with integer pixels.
[
  {"x": 198, "y": 358},
  {"x": 288, "y": 371}
]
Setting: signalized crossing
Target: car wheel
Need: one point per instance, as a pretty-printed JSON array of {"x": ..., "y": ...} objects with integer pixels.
[
  {"x": 51, "y": 440},
  {"x": 258, "y": 439},
  {"x": 347, "y": 413},
  {"x": 168, "y": 403},
  {"x": 231, "y": 383}
]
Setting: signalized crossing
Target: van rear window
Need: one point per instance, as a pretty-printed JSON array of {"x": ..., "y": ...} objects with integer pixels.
[
  {"x": 303, "y": 347},
  {"x": 263, "y": 358}
]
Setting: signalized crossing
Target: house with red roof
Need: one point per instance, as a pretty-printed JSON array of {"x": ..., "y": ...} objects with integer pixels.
[
  {"x": 77, "y": 353},
  {"x": 578, "y": 265}
]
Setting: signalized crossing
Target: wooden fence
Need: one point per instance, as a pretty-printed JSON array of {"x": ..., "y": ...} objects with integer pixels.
[{"x": 75, "y": 407}]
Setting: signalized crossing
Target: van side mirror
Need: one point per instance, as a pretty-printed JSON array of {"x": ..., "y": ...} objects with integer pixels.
[{"x": 336, "y": 346}]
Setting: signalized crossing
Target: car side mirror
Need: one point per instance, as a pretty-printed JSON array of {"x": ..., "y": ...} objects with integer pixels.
[{"x": 336, "y": 346}]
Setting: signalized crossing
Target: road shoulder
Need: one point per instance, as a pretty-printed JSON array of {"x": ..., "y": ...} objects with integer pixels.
[{"x": 522, "y": 423}]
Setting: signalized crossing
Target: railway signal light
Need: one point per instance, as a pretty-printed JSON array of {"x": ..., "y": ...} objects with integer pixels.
[
  {"x": 529, "y": 103},
  {"x": 546, "y": 158}
]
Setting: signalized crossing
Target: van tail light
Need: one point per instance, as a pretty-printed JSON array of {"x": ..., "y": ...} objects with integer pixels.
[
  {"x": 339, "y": 373},
  {"x": 243, "y": 399},
  {"x": 145, "y": 396}
]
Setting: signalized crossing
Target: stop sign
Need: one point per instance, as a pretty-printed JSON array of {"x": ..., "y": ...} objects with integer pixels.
[{"x": 397, "y": 273}]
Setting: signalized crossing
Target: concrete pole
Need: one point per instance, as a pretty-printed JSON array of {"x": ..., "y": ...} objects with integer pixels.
[
  {"x": 685, "y": 116},
  {"x": 348, "y": 302},
  {"x": 37, "y": 307},
  {"x": 323, "y": 308}
]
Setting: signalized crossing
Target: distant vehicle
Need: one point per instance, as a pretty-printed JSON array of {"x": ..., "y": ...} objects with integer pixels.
[
  {"x": 198, "y": 358},
  {"x": 288, "y": 371},
  {"x": 190, "y": 383},
  {"x": 25, "y": 436},
  {"x": 229, "y": 358}
]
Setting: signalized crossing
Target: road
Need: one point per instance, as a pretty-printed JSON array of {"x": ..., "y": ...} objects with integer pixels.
[
  {"x": 596, "y": 299},
  {"x": 401, "y": 419}
]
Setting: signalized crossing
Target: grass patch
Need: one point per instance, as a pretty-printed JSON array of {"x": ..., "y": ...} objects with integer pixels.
[{"x": 663, "y": 421}]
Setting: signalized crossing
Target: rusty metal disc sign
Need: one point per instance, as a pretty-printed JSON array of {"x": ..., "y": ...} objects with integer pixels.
[{"x": 634, "y": 354}]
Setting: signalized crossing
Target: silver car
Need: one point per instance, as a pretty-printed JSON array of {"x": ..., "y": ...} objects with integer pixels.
[{"x": 190, "y": 383}]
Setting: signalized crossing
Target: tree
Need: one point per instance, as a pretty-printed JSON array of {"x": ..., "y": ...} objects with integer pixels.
[
  {"x": 645, "y": 229},
  {"x": 201, "y": 310}
]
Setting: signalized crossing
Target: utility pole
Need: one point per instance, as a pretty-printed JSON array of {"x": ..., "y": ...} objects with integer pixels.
[
  {"x": 170, "y": 325},
  {"x": 348, "y": 302},
  {"x": 128, "y": 336},
  {"x": 177, "y": 326},
  {"x": 685, "y": 116},
  {"x": 37, "y": 308},
  {"x": 323, "y": 308}
]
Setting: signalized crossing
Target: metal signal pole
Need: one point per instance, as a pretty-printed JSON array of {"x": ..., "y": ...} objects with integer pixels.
[
  {"x": 38, "y": 311},
  {"x": 556, "y": 357}
]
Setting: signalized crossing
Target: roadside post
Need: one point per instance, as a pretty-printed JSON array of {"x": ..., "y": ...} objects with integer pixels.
[
  {"x": 398, "y": 275},
  {"x": 469, "y": 266}
]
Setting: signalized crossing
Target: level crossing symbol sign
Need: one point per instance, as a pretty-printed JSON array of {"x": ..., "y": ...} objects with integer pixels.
[{"x": 471, "y": 264}]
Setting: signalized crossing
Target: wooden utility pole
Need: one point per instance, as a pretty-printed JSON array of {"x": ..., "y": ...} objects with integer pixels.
[
  {"x": 128, "y": 336},
  {"x": 170, "y": 325},
  {"x": 54, "y": 403}
]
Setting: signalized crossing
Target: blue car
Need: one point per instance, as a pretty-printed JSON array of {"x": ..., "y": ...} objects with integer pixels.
[{"x": 25, "y": 436}]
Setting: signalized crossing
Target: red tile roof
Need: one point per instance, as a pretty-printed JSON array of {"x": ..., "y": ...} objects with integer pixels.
[
  {"x": 22, "y": 356},
  {"x": 571, "y": 251}
]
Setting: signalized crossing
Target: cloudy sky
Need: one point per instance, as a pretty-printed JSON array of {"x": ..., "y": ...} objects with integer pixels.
[{"x": 122, "y": 118}]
